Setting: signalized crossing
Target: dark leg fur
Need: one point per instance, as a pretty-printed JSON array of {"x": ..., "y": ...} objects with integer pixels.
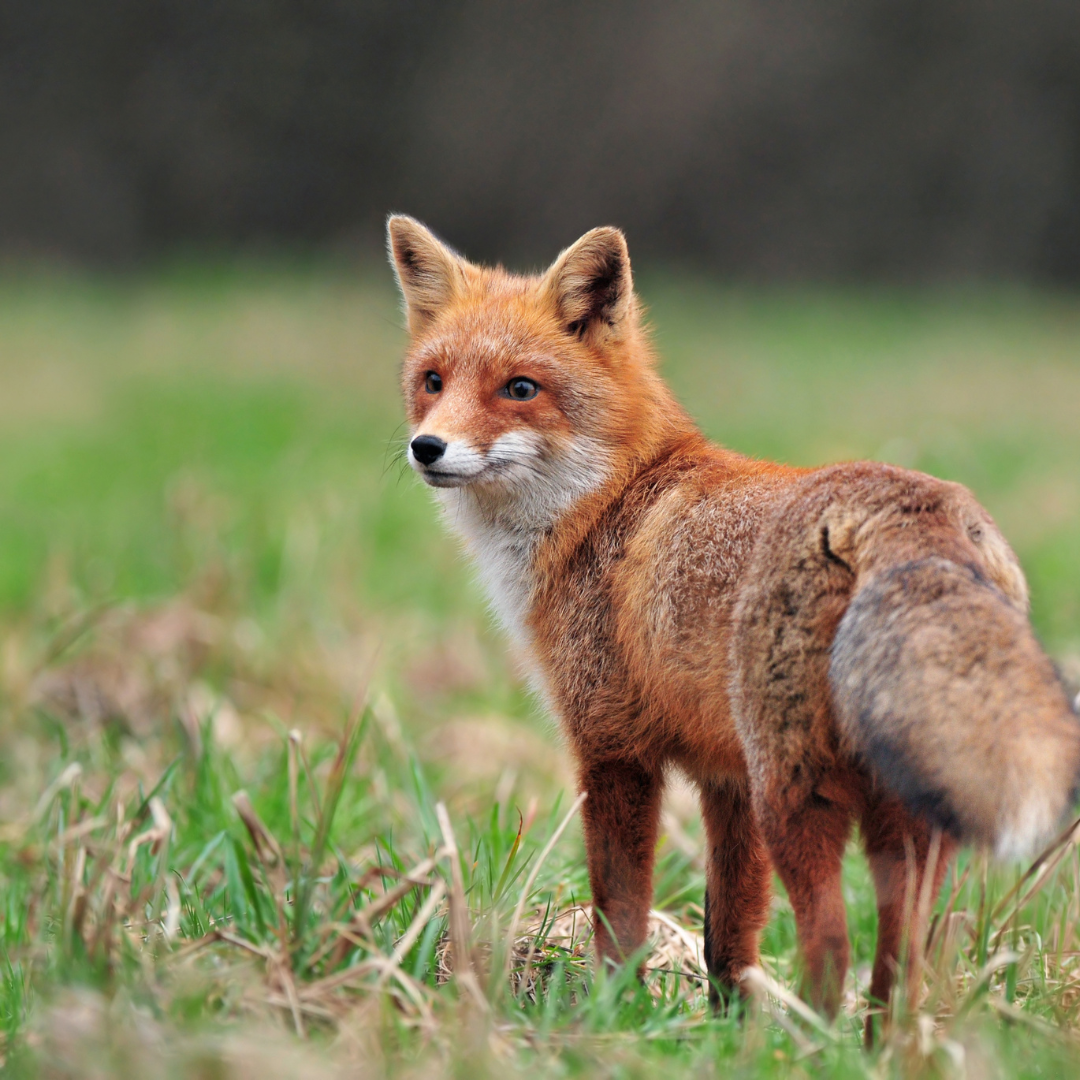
[
  {"x": 738, "y": 880},
  {"x": 897, "y": 846},
  {"x": 621, "y": 817}
]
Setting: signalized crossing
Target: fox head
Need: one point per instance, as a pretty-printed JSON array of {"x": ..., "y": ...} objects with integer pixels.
[{"x": 525, "y": 387}]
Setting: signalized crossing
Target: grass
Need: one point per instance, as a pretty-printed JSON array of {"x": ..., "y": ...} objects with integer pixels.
[{"x": 273, "y": 799}]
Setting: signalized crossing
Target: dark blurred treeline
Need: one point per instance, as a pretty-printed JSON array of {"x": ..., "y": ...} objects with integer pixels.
[{"x": 766, "y": 138}]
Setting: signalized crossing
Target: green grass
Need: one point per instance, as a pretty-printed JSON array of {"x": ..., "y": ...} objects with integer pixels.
[{"x": 206, "y": 543}]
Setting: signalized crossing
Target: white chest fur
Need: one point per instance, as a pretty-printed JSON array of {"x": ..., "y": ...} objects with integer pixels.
[{"x": 502, "y": 548}]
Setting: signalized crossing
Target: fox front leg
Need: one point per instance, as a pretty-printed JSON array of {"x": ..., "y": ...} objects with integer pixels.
[{"x": 621, "y": 817}]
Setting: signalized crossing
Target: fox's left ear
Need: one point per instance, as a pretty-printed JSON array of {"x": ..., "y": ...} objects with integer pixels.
[
  {"x": 591, "y": 285},
  {"x": 430, "y": 273}
]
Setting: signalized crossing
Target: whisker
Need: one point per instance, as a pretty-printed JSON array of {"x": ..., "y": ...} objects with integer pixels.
[{"x": 395, "y": 449}]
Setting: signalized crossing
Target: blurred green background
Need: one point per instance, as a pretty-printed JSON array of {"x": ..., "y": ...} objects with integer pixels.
[{"x": 246, "y": 416}]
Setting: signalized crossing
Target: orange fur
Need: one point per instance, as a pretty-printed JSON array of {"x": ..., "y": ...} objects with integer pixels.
[{"x": 682, "y": 605}]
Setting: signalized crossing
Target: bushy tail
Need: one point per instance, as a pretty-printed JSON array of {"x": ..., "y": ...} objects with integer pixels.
[{"x": 939, "y": 684}]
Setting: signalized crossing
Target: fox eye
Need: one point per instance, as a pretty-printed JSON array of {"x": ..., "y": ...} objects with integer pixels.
[
  {"x": 521, "y": 389},
  {"x": 432, "y": 382}
]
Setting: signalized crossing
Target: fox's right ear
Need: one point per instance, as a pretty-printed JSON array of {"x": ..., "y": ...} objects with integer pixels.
[{"x": 429, "y": 273}]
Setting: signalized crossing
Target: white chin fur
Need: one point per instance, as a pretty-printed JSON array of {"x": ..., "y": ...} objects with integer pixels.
[{"x": 436, "y": 479}]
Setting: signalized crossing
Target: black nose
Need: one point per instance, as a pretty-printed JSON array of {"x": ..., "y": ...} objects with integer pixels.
[{"x": 427, "y": 448}]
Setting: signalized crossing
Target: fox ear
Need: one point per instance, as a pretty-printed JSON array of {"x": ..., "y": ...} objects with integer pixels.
[
  {"x": 429, "y": 273},
  {"x": 591, "y": 285}
]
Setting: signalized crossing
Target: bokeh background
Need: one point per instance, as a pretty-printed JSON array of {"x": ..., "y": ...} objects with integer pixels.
[
  {"x": 759, "y": 138},
  {"x": 855, "y": 225}
]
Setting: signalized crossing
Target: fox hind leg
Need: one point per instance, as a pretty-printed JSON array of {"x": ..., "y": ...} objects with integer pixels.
[
  {"x": 899, "y": 848},
  {"x": 737, "y": 888},
  {"x": 621, "y": 817},
  {"x": 806, "y": 844}
]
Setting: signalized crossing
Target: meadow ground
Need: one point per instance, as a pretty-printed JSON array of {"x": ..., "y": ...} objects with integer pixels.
[{"x": 273, "y": 800}]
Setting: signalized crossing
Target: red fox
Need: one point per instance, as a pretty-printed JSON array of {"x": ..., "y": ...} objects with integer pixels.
[{"x": 811, "y": 647}]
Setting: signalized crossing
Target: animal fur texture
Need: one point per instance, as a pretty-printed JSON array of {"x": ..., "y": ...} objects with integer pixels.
[{"x": 811, "y": 647}]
